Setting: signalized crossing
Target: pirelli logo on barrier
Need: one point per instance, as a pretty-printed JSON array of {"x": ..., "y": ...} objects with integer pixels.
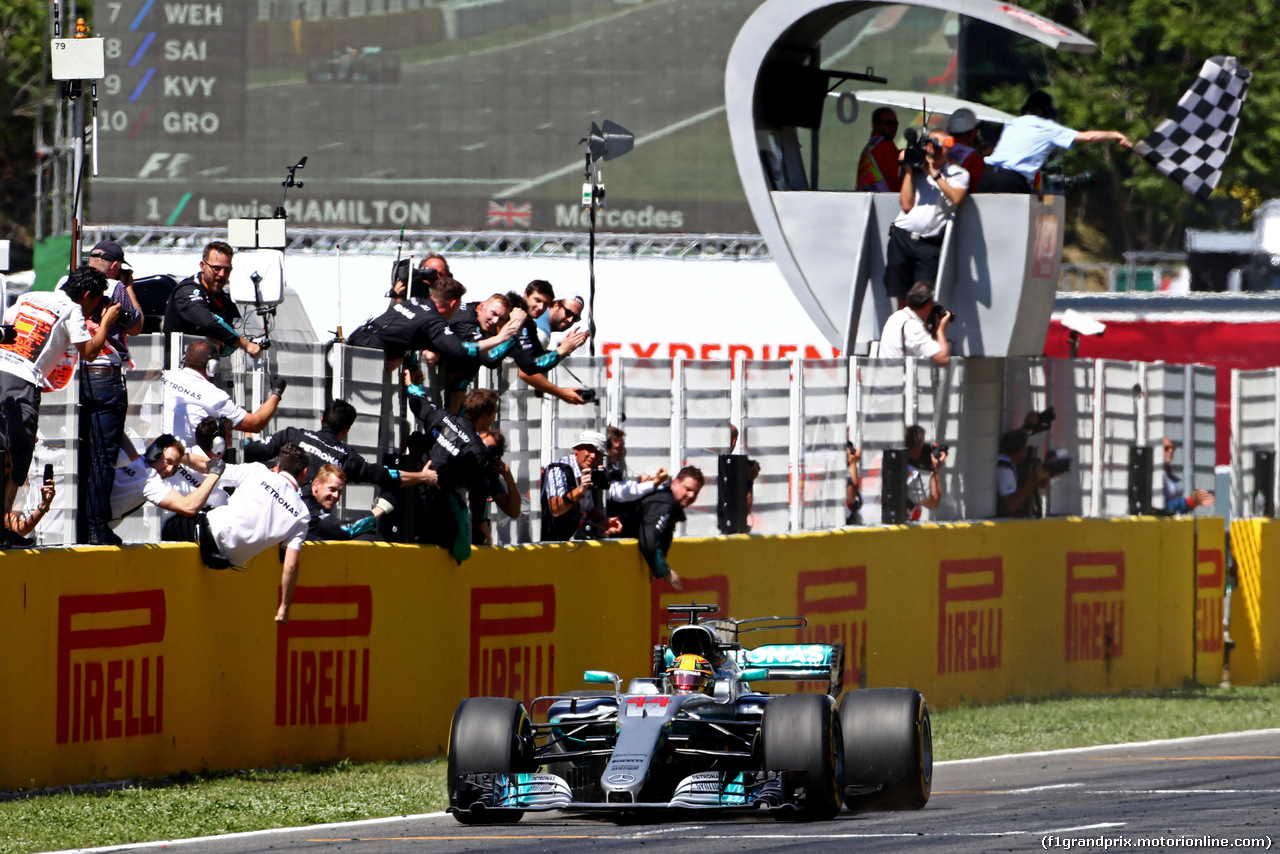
[
  {"x": 1094, "y": 627},
  {"x": 110, "y": 668},
  {"x": 712, "y": 589},
  {"x": 970, "y": 616},
  {"x": 512, "y": 651},
  {"x": 834, "y": 601},
  {"x": 1210, "y": 576},
  {"x": 322, "y": 657}
]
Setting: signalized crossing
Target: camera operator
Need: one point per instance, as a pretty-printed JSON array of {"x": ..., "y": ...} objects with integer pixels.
[
  {"x": 103, "y": 397},
  {"x": 44, "y": 330},
  {"x": 1027, "y": 142},
  {"x": 572, "y": 492},
  {"x": 932, "y": 188},
  {"x": 924, "y": 471},
  {"x": 422, "y": 323},
  {"x": 531, "y": 355},
  {"x": 918, "y": 329},
  {"x": 200, "y": 305},
  {"x": 1021, "y": 474},
  {"x": 430, "y": 268}
]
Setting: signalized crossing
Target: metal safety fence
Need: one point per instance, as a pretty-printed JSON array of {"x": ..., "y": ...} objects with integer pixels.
[{"x": 792, "y": 417}]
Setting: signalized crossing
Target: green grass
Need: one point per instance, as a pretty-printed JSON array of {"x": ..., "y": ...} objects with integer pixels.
[{"x": 204, "y": 804}]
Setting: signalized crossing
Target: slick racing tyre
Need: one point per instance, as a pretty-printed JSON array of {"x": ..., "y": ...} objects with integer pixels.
[
  {"x": 801, "y": 732},
  {"x": 888, "y": 749},
  {"x": 489, "y": 735}
]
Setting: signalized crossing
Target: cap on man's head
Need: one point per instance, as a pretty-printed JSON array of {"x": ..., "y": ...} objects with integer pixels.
[
  {"x": 962, "y": 120},
  {"x": 107, "y": 250},
  {"x": 592, "y": 439}
]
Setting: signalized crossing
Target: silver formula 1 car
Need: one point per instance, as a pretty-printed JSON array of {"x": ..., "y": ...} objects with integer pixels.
[{"x": 697, "y": 737}]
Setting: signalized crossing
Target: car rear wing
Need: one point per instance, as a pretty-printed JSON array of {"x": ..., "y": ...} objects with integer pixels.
[{"x": 794, "y": 662}]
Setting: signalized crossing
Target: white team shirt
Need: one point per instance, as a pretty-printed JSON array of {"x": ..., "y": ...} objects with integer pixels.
[
  {"x": 136, "y": 483},
  {"x": 188, "y": 398},
  {"x": 185, "y": 481},
  {"x": 266, "y": 510},
  {"x": 49, "y": 326},
  {"x": 904, "y": 335},
  {"x": 1006, "y": 478}
]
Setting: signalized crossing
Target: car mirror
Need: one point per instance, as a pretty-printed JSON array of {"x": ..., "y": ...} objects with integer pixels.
[{"x": 603, "y": 677}]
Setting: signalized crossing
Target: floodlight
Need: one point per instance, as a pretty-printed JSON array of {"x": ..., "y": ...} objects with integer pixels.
[{"x": 611, "y": 142}]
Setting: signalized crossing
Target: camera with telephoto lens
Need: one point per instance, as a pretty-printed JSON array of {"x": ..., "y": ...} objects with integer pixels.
[
  {"x": 8, "y": 333},
  {"x": 1053, "y": 462}
]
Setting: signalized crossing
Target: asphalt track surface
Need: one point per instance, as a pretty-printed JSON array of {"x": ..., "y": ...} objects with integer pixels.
[{"x": 1201, "y": 794}]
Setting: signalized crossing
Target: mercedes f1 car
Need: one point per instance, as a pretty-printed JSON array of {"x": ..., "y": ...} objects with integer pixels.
[
  {"x": 354, "y": 65},
  {"x": 697, "y": 735}
]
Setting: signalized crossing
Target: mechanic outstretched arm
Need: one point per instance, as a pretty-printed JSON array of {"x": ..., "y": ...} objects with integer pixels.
[
  {"x": 657, "y": 527},
  {"x": 288, "y": 581}
]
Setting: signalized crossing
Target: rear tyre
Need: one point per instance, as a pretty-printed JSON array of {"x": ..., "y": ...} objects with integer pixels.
[
  {"x": 888, "y": 744},
  {"x": 801, "y": 732},
  {"x": 489, "y": 735}
]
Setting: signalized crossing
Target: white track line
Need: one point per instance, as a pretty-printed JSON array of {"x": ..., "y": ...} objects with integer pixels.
[
  {"x": 1099, "y": 747},
  {"x": 371, "y": 821}
]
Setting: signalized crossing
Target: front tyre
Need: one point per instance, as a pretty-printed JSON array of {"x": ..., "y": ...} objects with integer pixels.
[
  {"x": 489, "y": 735},
  {"x": 801, "y": 732},
  {"x": 888, "y": 749}
]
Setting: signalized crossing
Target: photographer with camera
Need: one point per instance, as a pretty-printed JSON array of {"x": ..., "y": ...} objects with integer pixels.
[
  {"x": 924, "y": 471},
  {"x": 932, "y": 188},
  {"x": 200, "y": 304},
  {"x": 573, "y": 490},
  {"x": 103, "y": 397},
  {"x": 919, "y": 329},
  {"x": 1021, "y": 473}
]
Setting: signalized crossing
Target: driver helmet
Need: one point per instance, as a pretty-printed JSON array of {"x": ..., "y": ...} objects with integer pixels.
[{"x": 691, "y": 674}]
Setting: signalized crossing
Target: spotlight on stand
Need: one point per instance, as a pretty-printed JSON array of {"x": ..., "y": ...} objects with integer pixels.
[
  {"x": 1078, "y": 324},
  {"x": 607, "y": 144}
]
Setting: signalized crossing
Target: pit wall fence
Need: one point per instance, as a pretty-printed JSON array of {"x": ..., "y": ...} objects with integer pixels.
[
  {"x": 794, "y": 417},
  {"x": 139, "y": 661}
]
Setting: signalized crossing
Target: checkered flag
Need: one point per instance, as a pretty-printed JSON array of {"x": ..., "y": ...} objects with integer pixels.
[{"x": 1191, "y": 145}]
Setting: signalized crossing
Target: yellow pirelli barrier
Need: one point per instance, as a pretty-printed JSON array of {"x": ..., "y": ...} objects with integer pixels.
[
  {"x": 1255, "y": 603},
  {"x": 140, "y": 661}
]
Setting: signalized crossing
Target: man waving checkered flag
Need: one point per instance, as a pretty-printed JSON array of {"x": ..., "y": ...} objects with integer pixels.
[{"x": 1191, "y": 145}]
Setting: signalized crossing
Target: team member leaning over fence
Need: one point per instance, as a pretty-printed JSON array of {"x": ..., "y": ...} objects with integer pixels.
[
  {"x": 328, "y": 445},
  {"x": 266, "y": 510},
  {"x": 190, "y": 396},
  {"x": 474, "y": 322},
  {"x": 322, "y": 494},
  {"x": 531, "y": 354},
  {"x": 660, "y": 512},
  {"x": 149, "y": 478}
]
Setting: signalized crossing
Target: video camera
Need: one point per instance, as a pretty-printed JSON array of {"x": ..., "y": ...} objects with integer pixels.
[
  {"x": 1054, "y": 464},
  {"x": 916, "y": 152},
  {"x": 420, "y": 279},
  {"x": 588, "y": 395}
]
